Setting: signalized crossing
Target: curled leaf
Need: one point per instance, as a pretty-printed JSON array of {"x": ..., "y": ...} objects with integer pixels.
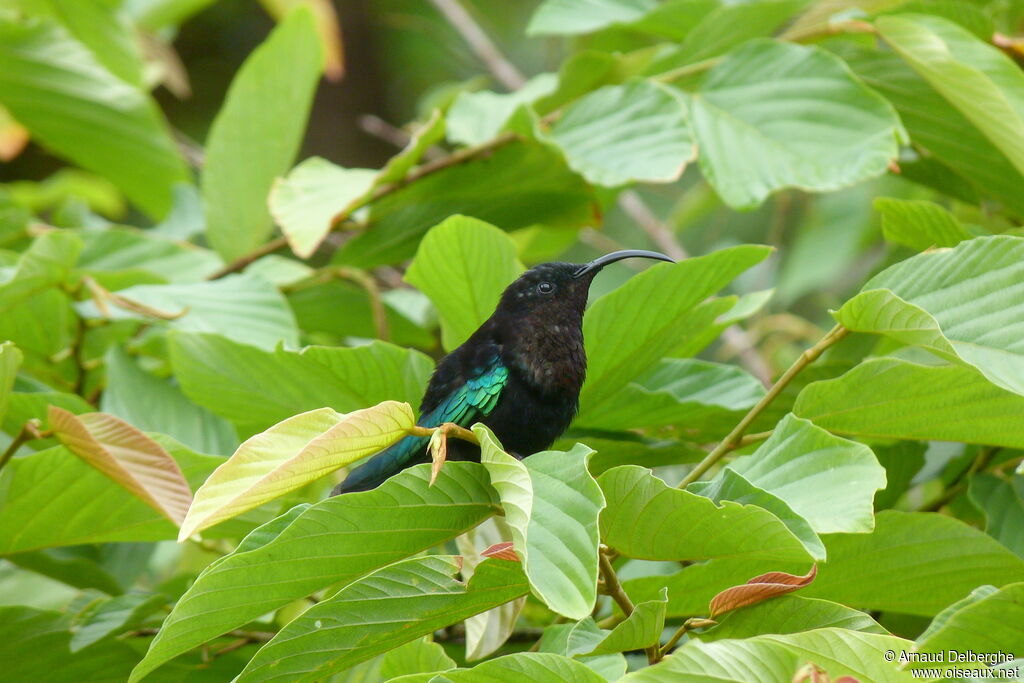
[
  {"x": 502, "y": 551},
  {"x": 759, "y": 589}
]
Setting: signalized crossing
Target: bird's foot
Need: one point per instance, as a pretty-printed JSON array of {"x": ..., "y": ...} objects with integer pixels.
[{"x": 439, "y": 445}]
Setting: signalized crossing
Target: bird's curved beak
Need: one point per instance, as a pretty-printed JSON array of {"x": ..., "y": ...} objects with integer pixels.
[{"x": 602, "y": 261}]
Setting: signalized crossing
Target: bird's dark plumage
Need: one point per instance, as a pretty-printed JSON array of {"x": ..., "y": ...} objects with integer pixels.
[{"x": 520, "y": 373}]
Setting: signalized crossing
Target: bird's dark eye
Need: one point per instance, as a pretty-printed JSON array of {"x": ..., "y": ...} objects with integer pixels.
[{"x": 545, "y": 288}]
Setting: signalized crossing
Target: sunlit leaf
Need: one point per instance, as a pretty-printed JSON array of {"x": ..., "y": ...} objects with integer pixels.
[
  {"x": 537, "y": 666},
  {"x": 291, "y": 454},
  {"x": 789, "y": 614},
  {"x": 107, "y": 33},
  {"x": 582, "y": 16},
  {"x": 47, "y": 262},
  {"x": 476, "y": 117},
  {"x": 642, "y": 628},
  {"x": 919, "y": 224},
  {"x": 10, "y": 361}
]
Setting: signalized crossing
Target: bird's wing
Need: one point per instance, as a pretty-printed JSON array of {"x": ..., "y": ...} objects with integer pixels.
[{"x": 476, "y": 398}]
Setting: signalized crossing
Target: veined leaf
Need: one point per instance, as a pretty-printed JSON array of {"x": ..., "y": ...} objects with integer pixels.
[
  {"x": 535, "y": 666},
  {"x": 291, "y": 454},
  {"x": 257, "y": 133},
  {"x": 569, "y": 17},
  {"x": 789, "y": 614},
  {"x": 126, "y": 455},
  {"x": 333, "y": 541},
  {"x": 757, "y": 590},
  {"x": 308, "y": 201},
  {"x": 48, "y": 261},
  {"x": 394, "y": 605},
  {"x": 890, "y": 398},
  {"x": 640, "y": 629},
  {"x": 835, "y": 132},
  {"x": 632, "y": 328},
  {"x": 626, "y": 133},
  {"x": 10, "y": 361},
  {"x": 647, "y": 519},
  {"x": 919, "y": 224},
  {"x": 115, "y": 250},
  {"x": 463, "y": 265},
  {"x": 476, "y": 117},
  {"x": 961, "y": 303},
  {"x": 551, "y": 504}
]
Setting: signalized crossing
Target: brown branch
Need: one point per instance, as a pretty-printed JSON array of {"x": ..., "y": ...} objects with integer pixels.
[
  {"x": 613, "y": 588},
  {"x": 28, "y": 432},
  {"x": 692, "y": 623}
]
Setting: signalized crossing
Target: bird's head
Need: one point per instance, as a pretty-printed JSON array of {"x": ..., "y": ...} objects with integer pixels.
[{"x": 560, "y": 289}]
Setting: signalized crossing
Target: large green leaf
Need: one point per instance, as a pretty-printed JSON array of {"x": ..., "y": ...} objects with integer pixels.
[
  {"x": 157, "y": 405},
  {"x": 641, "y": 629},
  {"x": 117, "y": 250},
  {"x": 334, "y": 541},
  {"x": 827, "y": 480},
  {"x": 789, "y": 614},
  {"x": 551, "y": 504},
  {"x": 798, "y": 115},
  {"x": 626, "y": 133},
  {"x": 10, "y": 361},
  {"x": 704, "y": 400},
  {"x": 647, "y": 519},
  {"x": 582, "y": 16},
  {"x": 48, "y": 261},
  {"x": 518, "y": 185},
  {"x": 776, "y": 658},
  {"x": 112, "y": 616},
  {"x": 292, "y": 454},
  {"x": 1003, "y": 504},
  {"x": 394, "y": 605},
  {"x": 476, "y": 117},
  {"x": 979, "y": 80},
  {"x": 57, "y": 89},
  {"x": 256, "y": 389},
  {"x": 536, "y": 666},
  {"x": 463, "y": 265},
  {"x": 919, "y": 224},
  {"x": 51, "y": 498},
  {"x": 890, "y": 398},
  {"x": 107, "y": 33},
  {"x": 727, "y": 26},
  {"x": 960, "y": 303},
  {"x": 257, "y": 133},
  {"x": 630, "y": 330}
]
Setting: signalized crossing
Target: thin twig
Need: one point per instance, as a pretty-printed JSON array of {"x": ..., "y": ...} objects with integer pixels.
[
  {"x": 366, "y": 281},
  {"x": 734, "y": 438},
  {"x": 28, "y": 432},
  {"x": 959, "y": 485},
  {"x": 613, "y": 588},
  {"x": 481, "y": 45},
  {"x": 689, "y": 624}
]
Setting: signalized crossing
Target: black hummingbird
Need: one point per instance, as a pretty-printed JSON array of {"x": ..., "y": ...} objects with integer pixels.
[{"x": 520, "y": 373}]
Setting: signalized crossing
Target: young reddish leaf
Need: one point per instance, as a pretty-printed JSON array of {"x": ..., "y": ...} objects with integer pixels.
[
  {"x": 759, "y": 589},
  {"x": 126, "y": 455},
  {"x": 293, "y": 453},
  {"x": 502, "y": 551}
]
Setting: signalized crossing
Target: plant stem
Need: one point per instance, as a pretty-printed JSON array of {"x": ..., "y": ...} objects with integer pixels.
[
  {"x": 366, "y": 281},
  {"x": 687, "y": 70},
  {"x": 959, "y": 485},
  {"x": 735, "y": 437},
  {"x": 449, "y": 428},
  {"x": 28, "y": 432},
  {"x": 691, "y": 623},
  {"x": 613, "y": 588}
]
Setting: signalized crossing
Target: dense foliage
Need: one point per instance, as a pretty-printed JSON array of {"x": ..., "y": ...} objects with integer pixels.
[{"x": 789, "y": 460}]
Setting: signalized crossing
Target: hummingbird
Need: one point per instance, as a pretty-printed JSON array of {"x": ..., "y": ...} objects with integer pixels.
[{"x": 520, "y": 373}]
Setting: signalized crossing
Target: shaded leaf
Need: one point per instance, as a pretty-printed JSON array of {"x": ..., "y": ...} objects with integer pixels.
[
  {"x": 291, "y": 454},
  {"x": 759, "y": 589},
  {"x": 919, "y": 224},
  {"x": 126, "y": 455},
  {"x": 113, "y": 616},
  {"x": 1003, "y": 504}
]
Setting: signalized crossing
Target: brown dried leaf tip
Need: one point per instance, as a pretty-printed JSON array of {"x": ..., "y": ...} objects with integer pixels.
[{"x": 758, "y": 589}]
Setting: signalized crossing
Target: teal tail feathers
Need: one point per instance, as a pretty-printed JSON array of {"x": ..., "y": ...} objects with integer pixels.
[{"x": 388, "y": 462}]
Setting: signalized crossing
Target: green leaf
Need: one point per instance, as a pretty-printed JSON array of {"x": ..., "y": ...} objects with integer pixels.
[
  {"x": 425, "y": 137},
  {"x": 464, "y": 265},
  {"x": 333, "y": 542},
  {"x": 73, "y": 106},
  {"x": 114, "y": 616},
  {"x": 1003, "y": 504},
  {"x": 257, "y": 133},
  {"x": 519, "y": 184},
  {"x": 889, "y": 398},
  {"x": 10, "y": 361},
  {"x": 76, "y": 566},
  {"x": 648, "y": 520},
  {"x": 373, "y": 614},
  {"x": 914, "y": 563},
  {"x": 107, "y": 33},
  {"x": 51, "y": 498},
  {"x": 536, "y": 666},
  {"x": 800, "y": 117},
  {"x": 314, "y": 195},
  {"x": 571, "y": 639},
  {"x": 827, "y": 480},
  {"x": 569, "y": 17},
  {"x": 551, "y": 505},
  {"x": 919, "y": 224},
  {"x": 730, "y": 25},
  {"x": 157, "y": 405},
  {"x": 292, "y": 454},
  {"x": 775, "y": 658},
  {"x": 47, "y": 262},
  {"x": 703, "y": 399},
  {"x": 116, "y": 250},
  {"x": 626, "y": 133},
  {"x": 959, "y": 303},
  {"x": 979, "y": 80},
  {"x": 256, "y": 389},
  {"x": 789, "y": 614},
  {"x": 993, "y": 623},
  {"x": 476, "y": 117},
  {"x": 631, "y": 329},
  {"x": 244, "y": 308},
  {"x": 640, "y": 629}
]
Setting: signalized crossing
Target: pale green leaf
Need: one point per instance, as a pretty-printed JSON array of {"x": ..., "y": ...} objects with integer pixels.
[
  {"x": 334, "y": 541},
  {"x": 626, "y": 133},
  {"x": 314, "y": 196},
  {"x": 476, "y": 117},
  {"x": 800, "y": 117},
  {"x": 256, "y": 389},
  {"x": 464, "y": 265},
  {"x": 640, "y": 629},
  {"x": 48, "y": 261},
  {"x": 789, "y": 614},
  {"x": 731, "y": 24},
  {"x": 107, "y": 33},
  {"x": 257, "y": 133},
  {"x": 391, "y": 606},
  {"x": 569, "y": 17},
  {"x": 534, "y": 666},
  {"x": 10, "y": 361},
  {"x": 293, "y": 453},
  {"x": 551, "y": 505},
  {"x": 117, "y": 249},
  {"x": 629, "y": 330},
  {"x": 56, "y": 88},
  {"x": 919, "y": 224},
  {"x": 647, "y": 519},
  {"x": 890, "y": 398}
]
